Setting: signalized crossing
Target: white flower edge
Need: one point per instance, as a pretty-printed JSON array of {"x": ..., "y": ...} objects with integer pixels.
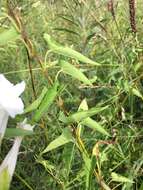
[
  {"x": 10, "y": 101},
  {"x": 24, "y": 125},
  {"x": 9, "y": 163},
  {"x": 3, "y": 123}
]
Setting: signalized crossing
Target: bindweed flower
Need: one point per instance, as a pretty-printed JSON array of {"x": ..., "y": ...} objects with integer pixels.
[
  {"x": 10, "y": 102},
  {"x": 8, "y": 165}
]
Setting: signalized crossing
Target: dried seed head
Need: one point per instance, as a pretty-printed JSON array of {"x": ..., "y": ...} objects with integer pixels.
[{"x": 132, "y": 12}]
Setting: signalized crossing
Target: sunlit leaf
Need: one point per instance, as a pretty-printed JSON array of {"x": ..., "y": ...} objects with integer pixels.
[
  {"x": 74, "y": 72},
  {"x": 8, "y": 35},
  {"x": 4, "y": 180},
  {"x": 81, "y": 115},
  {"x": 137, "y": 93},
  {"x": 90, "y": 122},
  {"x": 119, "y": 178},
  {"x": 95, "y": 125},
  {"x": 64, "y": 138},
  {"x": 66, "y": 51}
]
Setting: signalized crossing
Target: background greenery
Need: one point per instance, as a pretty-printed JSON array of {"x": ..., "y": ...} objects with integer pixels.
[{"x": 106, "y": 154}]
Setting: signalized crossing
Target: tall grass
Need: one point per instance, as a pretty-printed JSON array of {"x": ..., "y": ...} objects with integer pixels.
[{"x": 88, "y": 117}]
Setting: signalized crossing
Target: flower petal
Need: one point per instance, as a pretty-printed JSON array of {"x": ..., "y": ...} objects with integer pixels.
[
  {"x": 11, "y": 158},
  {"x": 4, "y": 82},
  {"x": 24, "y": 125},
  {"x": 3, "y": 123},
  {"x": 19, "y": 88},
  {"x": 9, "y": 96},
  {"x": 15, "y": 107}
]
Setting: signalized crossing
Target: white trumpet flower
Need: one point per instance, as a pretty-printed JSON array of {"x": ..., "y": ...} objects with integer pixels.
[
  {"x": 10, "y": 102},
  {"x": 9, "y": 163}
]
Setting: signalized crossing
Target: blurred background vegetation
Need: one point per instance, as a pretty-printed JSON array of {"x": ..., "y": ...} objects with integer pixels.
[{"x": 108, "y": 32}]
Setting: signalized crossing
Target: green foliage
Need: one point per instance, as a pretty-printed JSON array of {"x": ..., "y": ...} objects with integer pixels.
[
  {"x": 4, "y": 180},
  {"x": 46, "y": 102},
  {"x": 37, "y": 102},
  {"x": 82, "y": 96},
  {"x": 66, "y": 51},
  {"x": 94, "y": 125},
  {"x": 119, "y": 178},
  {"x": 81, "y": 115},
  {"x": 74, "y": 72},
  {"x": 8, "y": 35},
  {"x": 64, "y": 138},
  {"x": 13, "y": 132}
]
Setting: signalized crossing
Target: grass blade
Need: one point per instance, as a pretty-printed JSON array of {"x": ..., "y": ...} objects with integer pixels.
[{"x": 90, "y": 173}]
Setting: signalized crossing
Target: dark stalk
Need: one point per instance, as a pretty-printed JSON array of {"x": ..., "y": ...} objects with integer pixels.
[{"x": 132, "y": 12}]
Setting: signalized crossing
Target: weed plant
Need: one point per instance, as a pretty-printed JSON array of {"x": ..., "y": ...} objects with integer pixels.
[{"x": 82, "y": 60}]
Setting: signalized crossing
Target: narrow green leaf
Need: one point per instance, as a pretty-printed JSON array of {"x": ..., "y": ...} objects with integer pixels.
[
  {"x": 68, "y": 156},
  {"x": 83, "y": 105},
  {"x": 137, "y": 93},
  {"x": 68, "y": 19},
  {"x": 46, "y": 102},
  {"x": 87, "y": 162},
  {"x": 66, "y": 30},
  {"x": 8, "y": 35},
  {"x": 46, "y": 164},
  {"x": 74, "y": 72},
  {"x": 64, "y": 138},
  {"x": 94, "y": 125},
  {"x": 119, "y": 178},
  {"x": 4, "y": 180},
  {"x": 141, "y": 186},
  {"x": 37, "y": 102},
  {"x": 89, "y": 173},
  {"x": 90, "y": 122},
  {"x": 13, "y": 132},
  {"x": 66, "y": 51},
  {"x": 81, "y": 115}
]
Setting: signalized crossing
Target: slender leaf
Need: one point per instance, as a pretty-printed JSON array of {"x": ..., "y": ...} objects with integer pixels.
[
  {"x": 81, "y": 115},
  {"x": 119, "y": 178},
  {"x": 90, "y": 122},
  {"x": 13, "y": 132},
  {"x": 141, "y": 187},
  {"x": 68, "y": 156},
  {"x": 67, "y": 30},
  {"x": 90, "y": 173},
  {"x": 46, "y": 102},
  {"x": 137, "y": 93},
  {"x": 37, "y": 102},
  {"x": 94, "y": 125},
  {"x": 64, "y": 138},
  {"x": 74, "y": 72},
  {"x": 66, "y": 51}
]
